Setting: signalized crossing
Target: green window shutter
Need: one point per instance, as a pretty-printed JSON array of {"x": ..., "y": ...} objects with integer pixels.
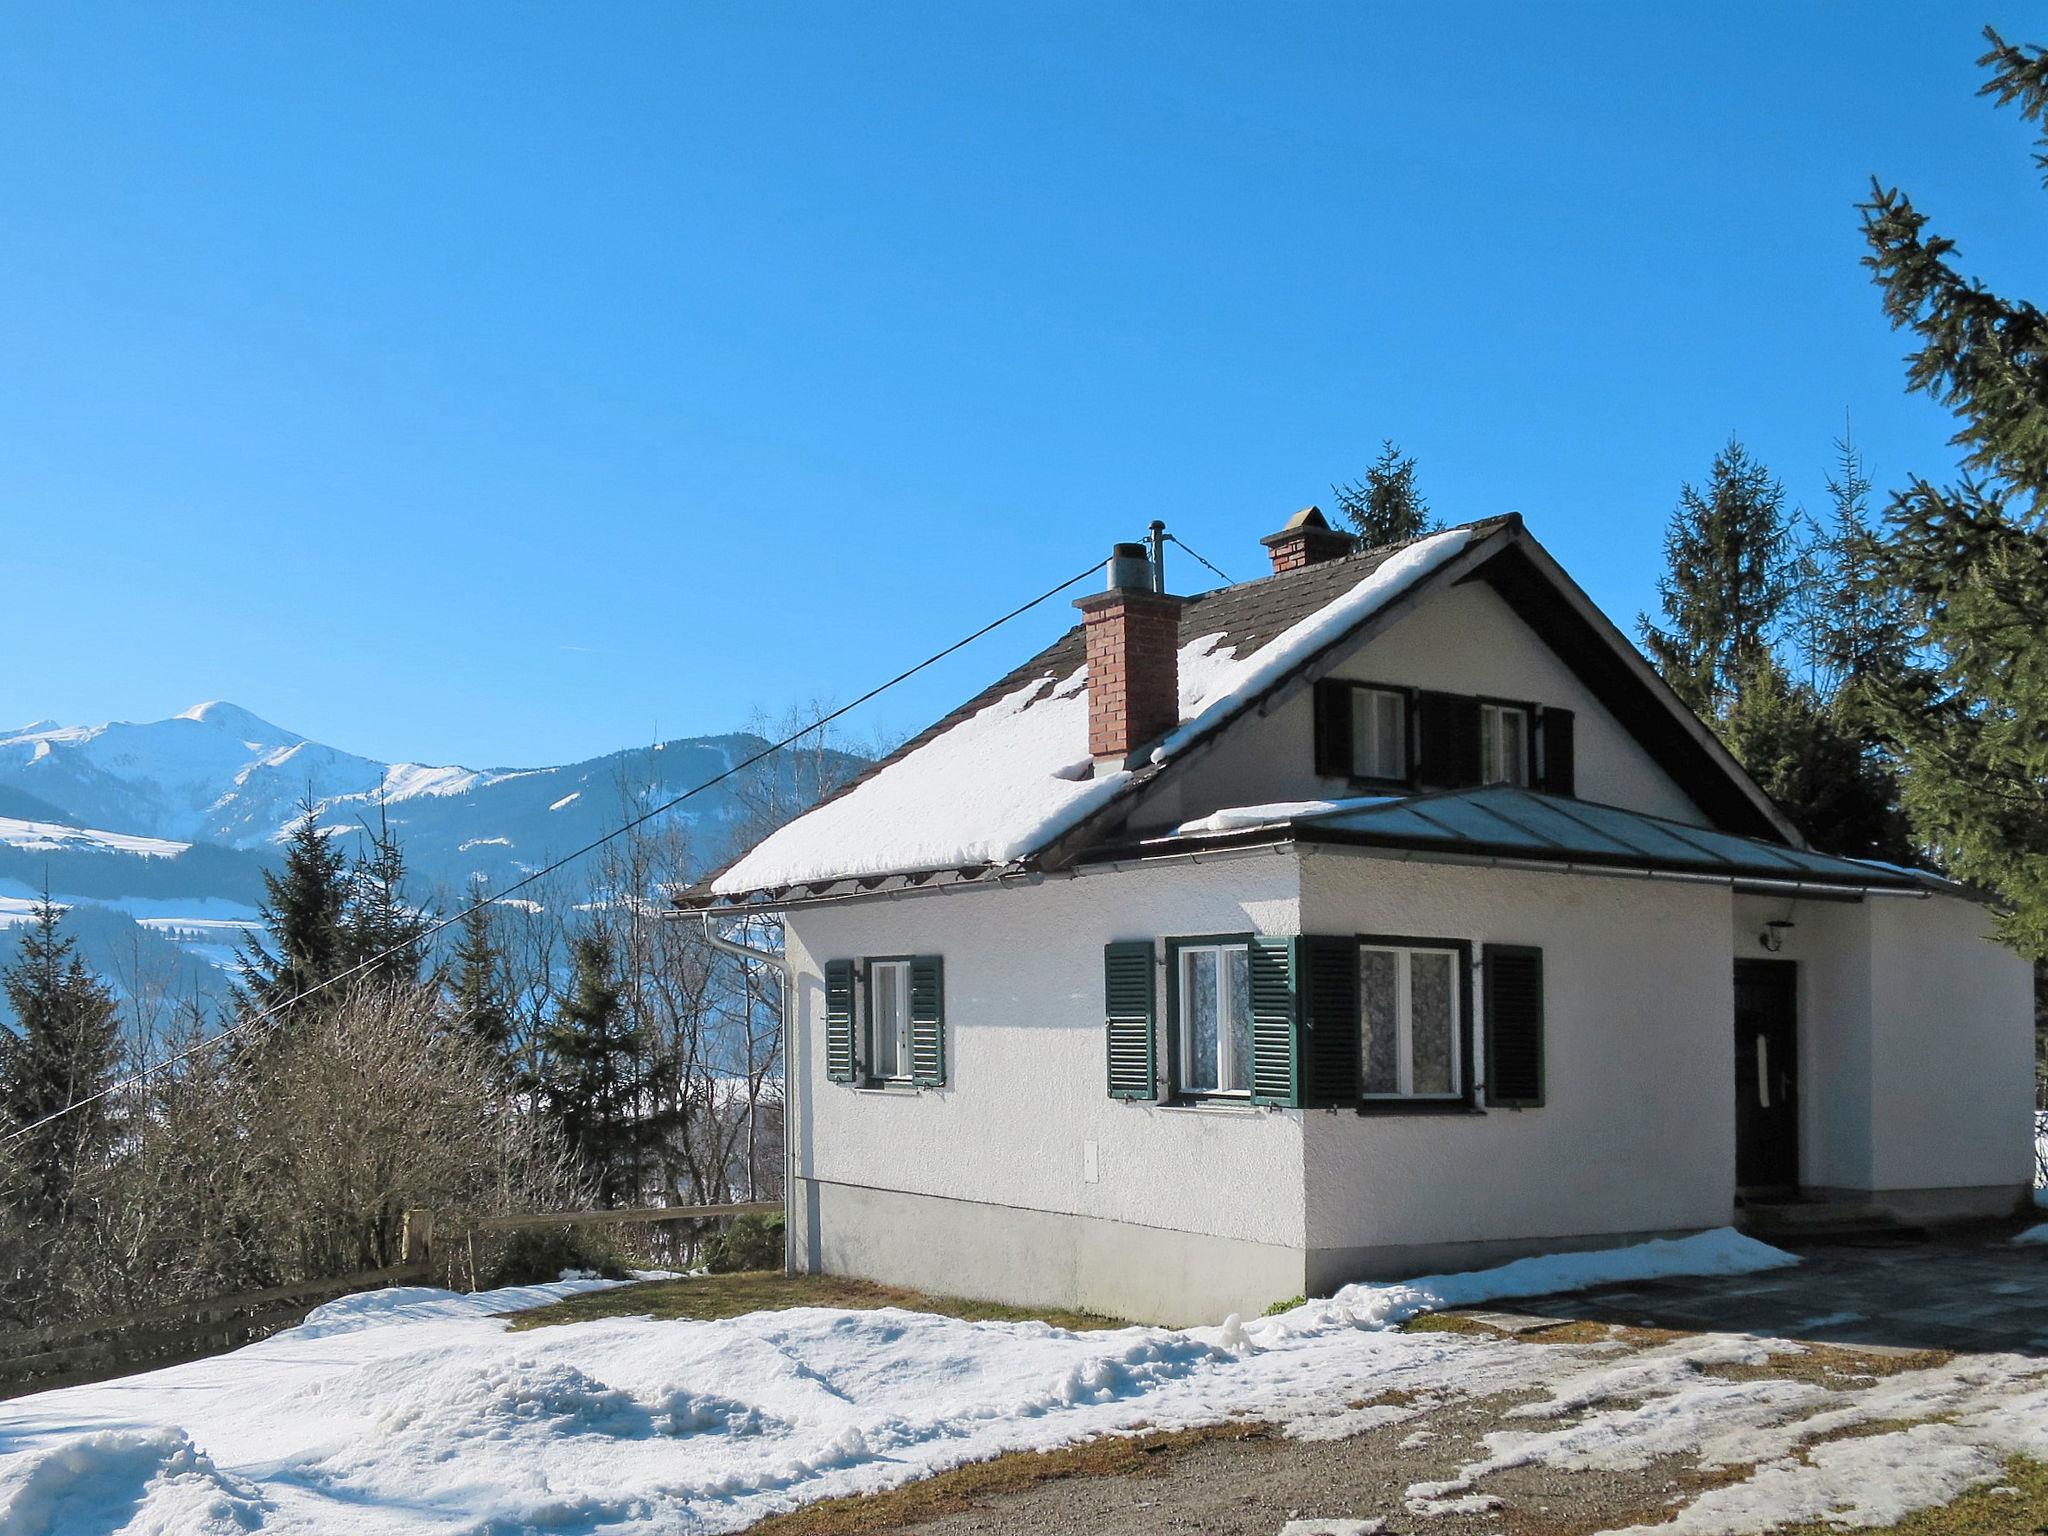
[
  {"x": 839, "y": 1020},
  {"x": 1447, "y": 740},
  {"x": 927, "y": 1020},
  {"x": 1558, "y": 777},
  {"x": 1334, "y": 756},
  {"x": 1512, "y": 975},
  {"x": 1276, "y": 1077},
  {"x": 1326, "y": 989},
  {"x": 1130, "y": 1005}
]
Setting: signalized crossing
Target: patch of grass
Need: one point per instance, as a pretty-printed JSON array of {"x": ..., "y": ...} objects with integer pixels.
[
  {"x": 706, "y": 1297},
  {"x": 1453, "y": 1322},
  {"x": 1285, "y": 1306},
  {"x": 1831, "y": 1365},
  {"x": 966, "y": 1488},
  {"x": 2020, "y": 1510}
]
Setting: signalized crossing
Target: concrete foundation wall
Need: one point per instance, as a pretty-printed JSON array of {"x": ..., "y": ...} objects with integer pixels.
[{"x": 1039, "y": 1258}]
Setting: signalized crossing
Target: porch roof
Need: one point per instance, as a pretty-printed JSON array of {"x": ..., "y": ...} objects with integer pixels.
[{"x": 1507, "y": 824}]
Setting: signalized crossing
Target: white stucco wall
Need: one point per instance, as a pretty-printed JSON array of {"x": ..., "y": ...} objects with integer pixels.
[
  {"x": 1462, "y": 640},
  {"x": 1952, "y": 1049},
  {"x": 1637, "y": 1131},
  {"x": 1830, "y": 943},
  {"x": 1916, "y": 1052},
  {"x": 1026, "y": 1093}
]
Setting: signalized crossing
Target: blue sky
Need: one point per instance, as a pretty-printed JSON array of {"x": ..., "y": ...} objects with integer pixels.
[{"x": 506, "y": 384}]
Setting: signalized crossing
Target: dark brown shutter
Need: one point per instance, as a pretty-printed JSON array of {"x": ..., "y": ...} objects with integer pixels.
[
  {"x": 1335, "y": 758},
  {"x": 1447, "y": 740},
  {"x": 1512, "y": 975},
  {"x": 839, "y": 1020},
  {"x": 1326, "y": 993},
  {"x": 927, "y": 1020},
  {"x": 1559, "y": 777},
  {"x": 1276, "y": 1066},
  {"x": 1130, "y": 1005}
]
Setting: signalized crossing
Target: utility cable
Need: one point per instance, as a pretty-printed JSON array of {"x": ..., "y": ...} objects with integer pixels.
[
  {"x": 1175, "y": 538},
  {"x": 271, "y": 1012}
]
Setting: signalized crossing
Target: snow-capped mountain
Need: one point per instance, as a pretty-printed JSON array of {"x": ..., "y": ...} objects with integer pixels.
[
  {"x": 215, "y": 773},
  {"x": 173, "y": 821}
]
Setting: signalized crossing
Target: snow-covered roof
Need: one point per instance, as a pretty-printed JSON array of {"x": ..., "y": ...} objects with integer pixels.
[{"x": 1009, "y": 774}]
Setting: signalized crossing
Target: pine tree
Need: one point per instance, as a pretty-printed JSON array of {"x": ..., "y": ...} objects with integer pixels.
[
  {"x": 601, "y": 1087},
  {"x": 377, "y": 920},
  {"x": 1824, "y": 773},
  {"x": 67, "y": 1047},
  {"x": 1385, "y": 507},
  {"x": 303, "y": 908},
  {"x": 1728, "y": 576},
  {"x": 1969, "y": 713},
  {"x": 477, "y": 987}
]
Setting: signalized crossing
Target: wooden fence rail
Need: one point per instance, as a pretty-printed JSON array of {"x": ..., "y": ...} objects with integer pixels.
[{"x": 91, "y": 1349}]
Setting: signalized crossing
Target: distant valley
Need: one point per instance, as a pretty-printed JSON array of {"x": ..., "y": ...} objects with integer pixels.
[{"x": 169, "y": 824}]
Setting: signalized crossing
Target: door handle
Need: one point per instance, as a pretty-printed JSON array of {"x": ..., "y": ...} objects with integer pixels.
[{"x": 1763, "y": 1072}]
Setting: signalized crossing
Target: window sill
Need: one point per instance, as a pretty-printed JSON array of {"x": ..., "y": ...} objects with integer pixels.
[
  {"x": 900, "y": 1089},
  {"x": 1214, "y": 1104}
]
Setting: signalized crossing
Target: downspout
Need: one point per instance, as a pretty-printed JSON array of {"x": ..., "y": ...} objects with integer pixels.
[{"x": 747, "y": 954}]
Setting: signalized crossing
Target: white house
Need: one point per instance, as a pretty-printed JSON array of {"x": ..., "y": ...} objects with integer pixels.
[{"x": 1382, "y": 915}]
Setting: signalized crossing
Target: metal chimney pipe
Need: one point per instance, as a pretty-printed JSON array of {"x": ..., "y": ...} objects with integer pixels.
[{"x": 1130, "y": 569}]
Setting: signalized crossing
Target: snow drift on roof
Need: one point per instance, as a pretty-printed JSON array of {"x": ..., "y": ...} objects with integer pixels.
[{"x": 1015, "y": 775}]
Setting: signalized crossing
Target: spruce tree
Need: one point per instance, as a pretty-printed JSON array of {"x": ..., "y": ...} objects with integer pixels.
[
  {"x": 1969, "y": 713},
  {"x": 303, "y": 908},
  {"x": 477, "y": 988},
  {"x": 1727, "y": 576},
  {"x": 377, "y": 920},
  {"x": 601, "y": 1076},
  {"x": 65, "y": 1047},
  {"x": 1806, "y": 753},
  {"x": 1385, "y": 507}
]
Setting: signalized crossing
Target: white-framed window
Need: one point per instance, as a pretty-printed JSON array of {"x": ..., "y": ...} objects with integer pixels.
[
  {"x": 1411, "y": 1024},
  {"x": 1503, "y": 744},
  {"x": 1214, "y": 989},
  {"x": 1379, "y": 733},
  {"x": 888, "y": 1021}
]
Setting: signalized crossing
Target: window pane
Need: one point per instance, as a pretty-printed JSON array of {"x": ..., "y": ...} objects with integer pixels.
[
  {"x": 1363, "y": 725},
  {"x": 885, "y": 1007},
  {"x": 1378, "y": 998},
  {"x": 1391, "y": 735},
  {"x": 1198, "y": 1015},
  {"x": 1514, "y": 747},
  {"x": 1240, "y": 963},
  {"x": 1432, "y": 1021}
]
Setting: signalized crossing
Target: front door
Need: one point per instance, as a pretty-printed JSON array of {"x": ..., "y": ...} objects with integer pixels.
[{"x": 1766, "y": 1074}]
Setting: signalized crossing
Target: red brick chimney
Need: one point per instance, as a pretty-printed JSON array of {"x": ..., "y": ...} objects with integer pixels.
[
  {"x": 1133, "y": 635},
  {"x": 1308, "y": 539}
]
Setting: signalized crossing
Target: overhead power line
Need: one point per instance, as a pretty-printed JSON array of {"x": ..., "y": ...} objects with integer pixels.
[
  {"x": 270, "y": 1013},
  {"x": 1177, "y": 539}
]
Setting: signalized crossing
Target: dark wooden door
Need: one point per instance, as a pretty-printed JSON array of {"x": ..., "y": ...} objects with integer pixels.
[{"x": 1766, "y": 1074}]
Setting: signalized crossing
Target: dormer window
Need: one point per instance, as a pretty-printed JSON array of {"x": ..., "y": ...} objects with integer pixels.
[
  {"x": 1503, "y": 744},
  {"x": 1379, "y": 734}
]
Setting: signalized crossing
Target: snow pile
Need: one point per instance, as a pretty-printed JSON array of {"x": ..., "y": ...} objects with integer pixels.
[
  {"x": 2034, "y": 1234},
  {"x": 414, "y": 1411},
  {"x": 1016, "y": 774}
]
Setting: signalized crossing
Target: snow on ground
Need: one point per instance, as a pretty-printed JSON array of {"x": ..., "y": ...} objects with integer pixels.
[
  {"x": 414, "y": 1411},
  {"x": 52, "y": 837},
  {"x": 1016, "y": 774},
  {"x": 2034, "y": 1234}
]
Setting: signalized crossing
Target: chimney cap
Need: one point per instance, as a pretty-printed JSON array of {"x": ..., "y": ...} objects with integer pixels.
[{"x": 1307, "y": 517}]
